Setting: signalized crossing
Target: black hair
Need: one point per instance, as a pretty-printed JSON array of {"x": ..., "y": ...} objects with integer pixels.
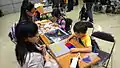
[
  {"x": 26, "y": 6},
  {"x": 29, "y": 6},
  {"x": 80, "y": 27},
  {"x": 56, "y": 12},
  {"x": 24, "y": 30}
]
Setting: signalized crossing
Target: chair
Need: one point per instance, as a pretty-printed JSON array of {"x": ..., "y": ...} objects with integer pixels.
[
  {"x": 105, "y": 56},
  {"x": 11, "y": 34},
  {"x": 68, "y": 25},
  {"x": 89, "y": 25}
]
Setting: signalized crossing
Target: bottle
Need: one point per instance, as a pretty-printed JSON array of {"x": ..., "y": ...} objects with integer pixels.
[{"x": 74, "y": 62}]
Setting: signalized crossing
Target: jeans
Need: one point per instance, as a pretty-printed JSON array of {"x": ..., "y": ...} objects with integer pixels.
[
  {"x": 89, "y": 10},
  {"x": 70, "y": 5}
]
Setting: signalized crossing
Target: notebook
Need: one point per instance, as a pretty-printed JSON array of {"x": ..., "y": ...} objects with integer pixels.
[{"x": 59, "y": 48}]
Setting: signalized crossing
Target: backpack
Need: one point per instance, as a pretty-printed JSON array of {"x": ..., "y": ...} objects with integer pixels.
[
  {"x": 11, "y": 34},
  {"x": 83, "y": 14},
  {"x": 68, "y": 25}
]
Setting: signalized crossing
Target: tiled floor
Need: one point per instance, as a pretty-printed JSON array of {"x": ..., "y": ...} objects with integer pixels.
[{"x": 108, "y": 23}]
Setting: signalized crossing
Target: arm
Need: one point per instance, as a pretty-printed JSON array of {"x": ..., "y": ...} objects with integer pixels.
[
  {"x": 35, "y": 60},
  {"x": 50, "y": 62},
  {"x": 47, "y": 58},
  {"x": 87, "y": 49},
  {"x": 87, "y": 43},
  {"x": 70, "y": 37}
]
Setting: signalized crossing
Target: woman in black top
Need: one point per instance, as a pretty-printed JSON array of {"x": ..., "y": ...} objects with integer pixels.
[{"x": 27, "y": 11}]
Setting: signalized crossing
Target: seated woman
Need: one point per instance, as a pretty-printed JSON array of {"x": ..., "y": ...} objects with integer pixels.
[
  {"x": 82, "y": 37},
  {"x": 27, "y": 11},
  {"x": 28, "y": 53},
  {"x": 57, "y": 17}
]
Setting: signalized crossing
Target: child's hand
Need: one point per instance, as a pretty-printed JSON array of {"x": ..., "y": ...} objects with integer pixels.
[
  {"x": 67, "y": 40},
  {"x": 74, "y": 50}
]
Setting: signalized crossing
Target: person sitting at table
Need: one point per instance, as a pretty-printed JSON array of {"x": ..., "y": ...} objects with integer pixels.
[
  {"x": 58, "y": 18},
  {"x": 82, "y": 37},
  {"x": 27, "y": 11},
  {"x": 29, "y": 54}
]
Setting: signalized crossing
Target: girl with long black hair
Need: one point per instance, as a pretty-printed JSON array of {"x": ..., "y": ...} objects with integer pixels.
[
  {"x": 58, "y": 18},
  {"x": 27, "y": 11},
  {"x": 28, "y": 53}
]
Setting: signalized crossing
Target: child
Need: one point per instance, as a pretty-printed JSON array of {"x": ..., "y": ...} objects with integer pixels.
[
  {"x": 82, "y": 37},
  {"x": 57, "y": 17},
  {"x": 29, "y": 54}
]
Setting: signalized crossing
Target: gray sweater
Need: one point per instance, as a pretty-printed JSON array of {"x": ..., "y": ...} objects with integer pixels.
[{"x": 35, "y": 60}]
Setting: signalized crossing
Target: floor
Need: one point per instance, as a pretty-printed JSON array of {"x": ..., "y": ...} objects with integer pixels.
[{"x": 102, "y": 22}]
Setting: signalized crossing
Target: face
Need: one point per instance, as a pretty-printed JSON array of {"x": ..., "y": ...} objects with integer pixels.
[
  {"x": 31, "y": 13},
  {"x": 33, "y": 10},
  {"x": 79, "y": 35},
  {"x": 34, "y": 39}
]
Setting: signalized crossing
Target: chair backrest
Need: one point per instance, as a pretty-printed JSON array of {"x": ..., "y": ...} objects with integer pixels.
[
  {"x": 68, "y": 22},
  {"x": 88, "y": 24},
  {"x": 107, "y": 37},
  {"x": 12, "y": 33},
  {"x": 103, "y": 36}
]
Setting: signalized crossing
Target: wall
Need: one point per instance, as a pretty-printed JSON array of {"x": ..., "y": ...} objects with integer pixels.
[{"x": 10, "y": 6}]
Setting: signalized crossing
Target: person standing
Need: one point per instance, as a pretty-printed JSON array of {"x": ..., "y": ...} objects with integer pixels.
[
  {"x": 89, "y": 4},
  {"x": 70, "y": 5}
]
